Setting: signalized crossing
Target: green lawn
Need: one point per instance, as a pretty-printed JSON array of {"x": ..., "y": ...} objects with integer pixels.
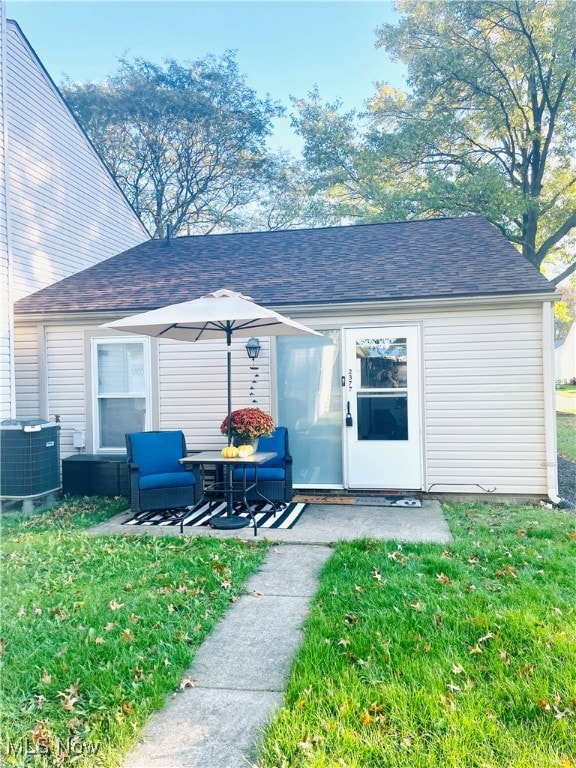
[
  {"x": 98, "y": 630},
  {"x": 428, "y": 656},
  {"x": 566, "y": 399},
  {"x": 566, "y": 435}
]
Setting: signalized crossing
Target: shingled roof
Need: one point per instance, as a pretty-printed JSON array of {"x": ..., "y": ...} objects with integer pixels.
[{"x": 433, "y": 258}]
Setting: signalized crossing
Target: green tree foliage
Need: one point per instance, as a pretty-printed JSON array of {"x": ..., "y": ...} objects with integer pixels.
[
  {"x": 187, "y": 144},
  {"x": 488, "y": 125},
  {"x": 286, "y": 199}
]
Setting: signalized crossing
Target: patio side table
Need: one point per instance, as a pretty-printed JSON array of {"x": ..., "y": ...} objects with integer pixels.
[{"x": 225, "y": 489}]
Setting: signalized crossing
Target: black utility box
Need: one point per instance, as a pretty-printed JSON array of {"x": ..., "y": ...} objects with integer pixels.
[
  {"x": 96, "y": 474},
  {"x": 29, "y": 458}
]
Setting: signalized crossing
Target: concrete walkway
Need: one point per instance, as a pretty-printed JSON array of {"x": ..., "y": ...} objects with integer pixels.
[{"x": 241, "y": 670}]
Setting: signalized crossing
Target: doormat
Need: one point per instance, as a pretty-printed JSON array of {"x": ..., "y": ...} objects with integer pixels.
[
  {"x": 263, "y": 512},
  {"x": 387, "y": 501},
  {"x": 368, "y": 501},
  {"x": 329, "y": 499}
]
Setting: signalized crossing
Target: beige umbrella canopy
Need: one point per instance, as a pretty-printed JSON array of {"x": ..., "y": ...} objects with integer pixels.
[{"x": 223, "y": 313}]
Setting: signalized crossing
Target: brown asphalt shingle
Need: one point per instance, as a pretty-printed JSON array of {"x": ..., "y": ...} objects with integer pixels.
[{"x": 373, "y": 262}]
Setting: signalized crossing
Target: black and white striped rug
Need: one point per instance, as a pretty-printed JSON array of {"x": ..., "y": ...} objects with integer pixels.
[{"x": 263, "y": 512}]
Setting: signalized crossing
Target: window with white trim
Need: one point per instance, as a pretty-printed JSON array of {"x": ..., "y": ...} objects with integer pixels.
[{"x": 121, "y": 371}]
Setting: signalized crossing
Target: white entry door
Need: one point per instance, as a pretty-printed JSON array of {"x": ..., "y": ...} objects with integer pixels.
[{"x": 382, "y": 432}]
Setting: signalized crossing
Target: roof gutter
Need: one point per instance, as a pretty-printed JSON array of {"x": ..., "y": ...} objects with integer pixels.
[
  {"x": 317, "y": 310},
  {"x": 362, "y": 307}
]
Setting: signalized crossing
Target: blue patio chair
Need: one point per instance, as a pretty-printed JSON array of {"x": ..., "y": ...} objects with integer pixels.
[
  {"x": 158, "y": 482},
  {"x": 274, "y": 476}
]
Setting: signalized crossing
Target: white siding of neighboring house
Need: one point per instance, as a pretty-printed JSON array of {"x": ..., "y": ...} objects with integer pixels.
[
  {"x": 482, "y": 391},
  {"x": 66, "y": 212},
  {"x": 566, "y": 358},
  {"x": 5, "y": 298}
]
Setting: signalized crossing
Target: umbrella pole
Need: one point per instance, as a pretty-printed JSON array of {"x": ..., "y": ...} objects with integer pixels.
[
  {"x": 229, "y": 355},
  {"x": 229, "y": 521},
  {"x": 228, "y": 469}
]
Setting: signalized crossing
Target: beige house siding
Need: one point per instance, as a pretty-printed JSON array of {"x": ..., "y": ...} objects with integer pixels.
[
  {"x": 193, "y": 391},
  {"x": 66, "y": 212},
  {"x": 484, "y": 395},
  {"x": 189, "y": 381},
  {"x": 29, "y": 354},
  {"x": 483, "y": 403}
]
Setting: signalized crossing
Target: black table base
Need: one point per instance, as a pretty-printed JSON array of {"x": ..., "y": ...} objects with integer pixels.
[{"x": 225, "y": 523}]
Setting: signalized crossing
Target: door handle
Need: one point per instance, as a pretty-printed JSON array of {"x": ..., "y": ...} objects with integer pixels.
[{"x": 349, "y": 422}]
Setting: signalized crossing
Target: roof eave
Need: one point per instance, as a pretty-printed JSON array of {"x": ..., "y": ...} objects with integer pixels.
[{"x": 318, "y": 309}]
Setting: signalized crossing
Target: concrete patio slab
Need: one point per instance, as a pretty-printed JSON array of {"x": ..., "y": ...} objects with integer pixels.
[{"x": 324, "y": 524}]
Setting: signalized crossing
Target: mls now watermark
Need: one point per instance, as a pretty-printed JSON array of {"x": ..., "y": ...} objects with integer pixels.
[{"x": 53, "y": 747}]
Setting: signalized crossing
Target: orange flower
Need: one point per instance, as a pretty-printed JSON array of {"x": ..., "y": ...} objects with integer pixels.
[{"x": 248, "y": 424}]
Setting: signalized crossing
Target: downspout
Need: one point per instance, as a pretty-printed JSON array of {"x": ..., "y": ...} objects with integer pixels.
[{"x": 548, "y": 369}]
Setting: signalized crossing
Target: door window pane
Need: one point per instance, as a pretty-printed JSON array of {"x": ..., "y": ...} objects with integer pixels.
[
  {"x": 310, "y": 405},
  {"x": 382, "y": 417},
  {"x": 382, "y": 363}
]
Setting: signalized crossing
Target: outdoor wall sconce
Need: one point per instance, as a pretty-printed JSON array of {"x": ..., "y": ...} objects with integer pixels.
[{"x": 253, "y": 348}]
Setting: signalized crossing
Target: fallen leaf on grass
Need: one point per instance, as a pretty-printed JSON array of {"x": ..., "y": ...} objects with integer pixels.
[
  {"x": 475, "y": 649},
  {"x": 68, "y": 699},
  {"x": 41, "y": 736},
  {"x": 114, "y": 605},
  {"x": 366, "y": 718},
  {"x": 506, "y": 571},
  {"x": 442, "y": 578}
]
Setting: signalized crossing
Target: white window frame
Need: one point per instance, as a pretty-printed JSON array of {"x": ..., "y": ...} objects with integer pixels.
[{"x": 147, "y": 394}]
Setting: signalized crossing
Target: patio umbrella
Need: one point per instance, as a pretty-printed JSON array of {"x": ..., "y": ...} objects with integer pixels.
[{"x": 221, "y": 314}]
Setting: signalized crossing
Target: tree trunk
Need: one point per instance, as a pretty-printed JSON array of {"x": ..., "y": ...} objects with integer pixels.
[{"x": 529, "y": 230}]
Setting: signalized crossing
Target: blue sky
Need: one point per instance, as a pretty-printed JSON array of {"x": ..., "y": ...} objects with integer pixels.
[{"x": 284, "y": 48}]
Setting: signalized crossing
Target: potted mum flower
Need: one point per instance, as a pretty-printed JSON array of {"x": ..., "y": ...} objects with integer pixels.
[{"x": 247, "y": 425}]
